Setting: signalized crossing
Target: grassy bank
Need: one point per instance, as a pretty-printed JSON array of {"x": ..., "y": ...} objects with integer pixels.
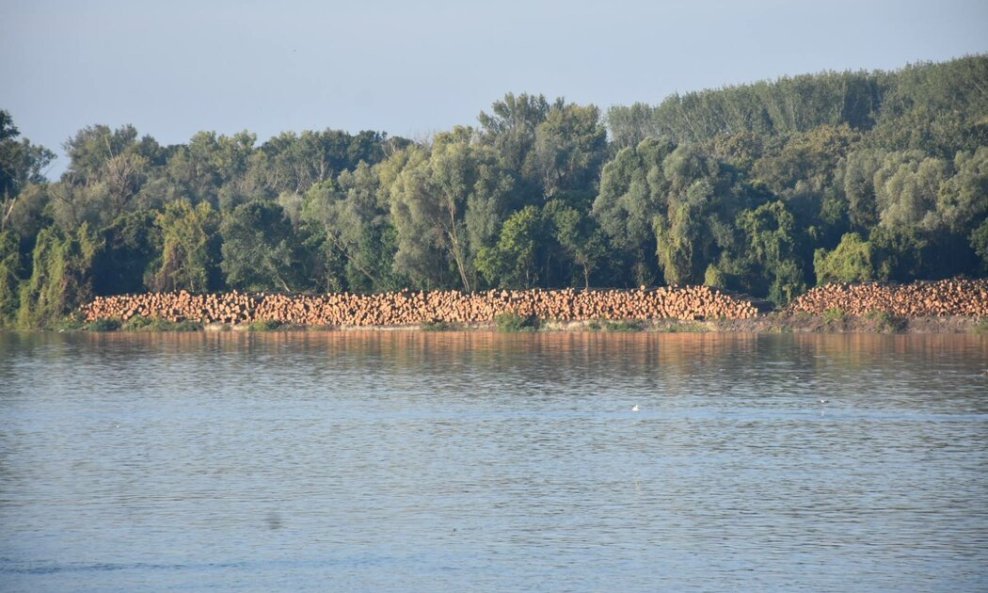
[{"x": 834, "y": 322}]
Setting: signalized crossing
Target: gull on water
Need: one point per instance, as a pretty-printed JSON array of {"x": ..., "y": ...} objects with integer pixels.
[{"x": 634, "y": 408}]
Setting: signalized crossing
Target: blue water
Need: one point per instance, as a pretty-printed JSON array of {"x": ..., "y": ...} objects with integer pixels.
[{"x": 402, "y": 461}]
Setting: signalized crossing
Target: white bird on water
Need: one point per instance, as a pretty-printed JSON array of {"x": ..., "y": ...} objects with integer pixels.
[{"x": 634, "y": 408}]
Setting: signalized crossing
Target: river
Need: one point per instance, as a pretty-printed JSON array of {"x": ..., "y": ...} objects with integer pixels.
[{"x": 473, "y": 461}]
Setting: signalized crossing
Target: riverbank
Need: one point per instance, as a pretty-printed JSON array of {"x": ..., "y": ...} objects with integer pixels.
[
  {"x": 838, "y": 323},
  {"x": 772, "y": 323}
]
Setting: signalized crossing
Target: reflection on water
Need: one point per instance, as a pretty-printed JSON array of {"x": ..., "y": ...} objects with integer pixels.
[{"x": 409, "y": 461}]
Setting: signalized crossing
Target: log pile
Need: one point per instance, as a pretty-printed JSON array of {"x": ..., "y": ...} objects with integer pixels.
[
  {"x": 921, "y": 299},
  {"x": 232, "y": 307},
  {"x": 415, "y": 308}
]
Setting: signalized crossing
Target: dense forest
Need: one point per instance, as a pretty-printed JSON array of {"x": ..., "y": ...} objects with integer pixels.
[{"x": 767, "y": 189}]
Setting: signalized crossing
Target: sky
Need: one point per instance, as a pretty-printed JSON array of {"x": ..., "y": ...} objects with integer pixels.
[{"x": 414, "y": 67}]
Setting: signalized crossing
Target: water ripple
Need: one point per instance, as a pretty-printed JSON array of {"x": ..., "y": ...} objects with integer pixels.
[{"x": 483, "y": 462}]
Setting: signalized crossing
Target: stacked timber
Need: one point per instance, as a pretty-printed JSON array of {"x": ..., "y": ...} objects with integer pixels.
[
  {"x": 921, "y": 299},
  {"x": 415, "y": 307},
  {"x": 232, "y": 307}
]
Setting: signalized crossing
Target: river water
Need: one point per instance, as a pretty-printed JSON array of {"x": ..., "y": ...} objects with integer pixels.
[{"x": 407, "y": 461}]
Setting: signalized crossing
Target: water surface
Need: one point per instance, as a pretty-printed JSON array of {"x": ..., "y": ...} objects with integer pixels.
[{"x": 403, "y": 461}]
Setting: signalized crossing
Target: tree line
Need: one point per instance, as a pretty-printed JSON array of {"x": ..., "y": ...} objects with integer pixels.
[{"x": 766, "y": 189}]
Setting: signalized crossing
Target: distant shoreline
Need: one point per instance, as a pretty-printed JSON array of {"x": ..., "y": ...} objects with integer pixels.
[{"x": 774, "y": 323}]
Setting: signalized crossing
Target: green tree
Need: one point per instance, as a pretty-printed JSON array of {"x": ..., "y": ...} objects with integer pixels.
[
  {"x": 110, "y": 173},
  {"x": 859, "y": 187},
  {"x": 352, "y": 218},
  {"x": 901, "y": 253},
  {"x": 60, "y": 276},
  {"x": 680, "y": 238},
  {"x": 772, "y": 248},
  {"x": 629, "y": 126},
  {"x": 190, "y": 248},
  {"x": 28, "y": 213},
  {"x": 131, "y": 243},
  {"x": 446, "y": 205},
  {"x": 570, "y": 148},
  {"x": 784, "y": 106},
  {"x": 740, "y": 150},
  {"x": 579, "y": 237},
  {"x": 979, "y": 242},
  {"x": 511, "y": 129},
  {"x": 906, "y": 189},
  {"x": 10, "y": 270},
  {"x": 850, "y": 261},
  {"x": 21, "y": 164},
  {"x": 511, "y": 262},
  {"x": 807, "y": 163},
  {"x": 633, "y": 191},
  {"x": 213, "y": 168},
  {"x": 806, "y": 173},
  {"x": 938, "y": 109},
  {"x": 703, "y": 198},
  {"x": 295, "y": 162},
  {"x": 93, "y": 147},
  {"x": 259, "y": 249},
  {"x": 962, "y": 201}
]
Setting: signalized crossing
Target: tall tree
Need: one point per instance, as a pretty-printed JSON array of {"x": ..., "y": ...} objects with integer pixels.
[
  {"x": 297, "y": 161},
  {"x": 906, "y": 189},
  {"x": 633, "y": 190},
  {"x": 131, "y": 244},
  {"x": 570, "y": 148},
  {"x": 772, "y": 248},
  {"x": 512, "y": 261},
  {"x": 10, "y": 270},
  {"x": 628, "y": 126},
  {"x": 859, "y": 187},
  {"x": 259, "y": 248},
  {"x": 851, "y": 261},
  {"x": 21, "y": 164},
  {"x": 979, "y": 242},
  {"x": 962, "y": 201},
  {"x": 93, "y": 147},
  {"x": 446, "y": 205},
  {"x": 108, "y": 174},
  {"x": 190, "y": 248},
  {"x": 60, "y": 279},
  {"x": 511, "y": 128},
  {"x": 352, "y": 218},
  {"x": 579, "y": 236},
  {"x": 213, "y": 168}
]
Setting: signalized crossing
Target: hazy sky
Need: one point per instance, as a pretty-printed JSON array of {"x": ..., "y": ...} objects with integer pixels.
[{"x": 411, "y": 67}]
